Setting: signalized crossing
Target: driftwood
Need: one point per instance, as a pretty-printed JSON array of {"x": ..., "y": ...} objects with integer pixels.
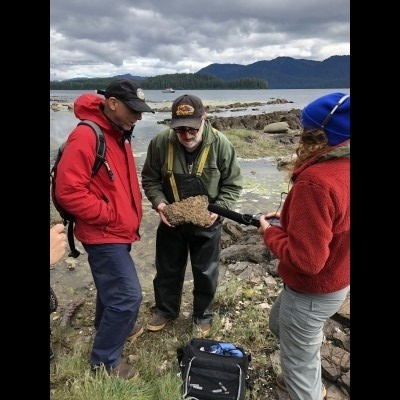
[{"x": 70, "y": 312}]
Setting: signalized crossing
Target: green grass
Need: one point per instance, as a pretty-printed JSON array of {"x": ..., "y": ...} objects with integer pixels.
[
  {"x": 252, "y": 144},
  {"x": 241, "y": 317}
]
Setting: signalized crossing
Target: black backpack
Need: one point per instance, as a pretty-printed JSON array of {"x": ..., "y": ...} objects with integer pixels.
[
  {"x": 208, "y": 373},
  {"x": 69, "y": 219}
]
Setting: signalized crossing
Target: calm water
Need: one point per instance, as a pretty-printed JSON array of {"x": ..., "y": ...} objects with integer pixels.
[
  {"x": 300, "y": 97},
  {"x": 61, "y": 123}
]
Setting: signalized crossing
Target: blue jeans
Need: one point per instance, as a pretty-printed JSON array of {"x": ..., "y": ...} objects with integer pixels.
[
  {"x": 119, "y": 295},
  {"x": 297, "y": 320}
]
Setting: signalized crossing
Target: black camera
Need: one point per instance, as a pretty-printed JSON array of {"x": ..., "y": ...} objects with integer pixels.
[{"x": 272, "y": 220}]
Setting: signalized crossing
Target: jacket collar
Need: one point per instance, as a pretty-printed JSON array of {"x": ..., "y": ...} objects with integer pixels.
[{"x": 341, "y": 150}]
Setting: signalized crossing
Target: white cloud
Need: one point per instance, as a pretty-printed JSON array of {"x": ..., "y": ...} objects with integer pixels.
[{"x": 96, "y": 38}]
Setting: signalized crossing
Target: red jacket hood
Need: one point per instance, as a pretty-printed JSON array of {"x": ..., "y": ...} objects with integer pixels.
[{"x": 89, "y": 106}]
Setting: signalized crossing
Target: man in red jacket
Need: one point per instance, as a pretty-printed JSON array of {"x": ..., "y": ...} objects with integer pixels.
[
  {"x": 312, "y": 244},
  {"x": 108, "y": 211}
]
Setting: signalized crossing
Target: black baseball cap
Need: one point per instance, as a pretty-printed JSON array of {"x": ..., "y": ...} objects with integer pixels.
[
  {"x": 187, "y": 110},
  {"x": 129, "y": 92}
]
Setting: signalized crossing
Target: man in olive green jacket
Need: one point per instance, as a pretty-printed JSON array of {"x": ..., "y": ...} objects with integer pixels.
[{"x": 190, "y": 158}]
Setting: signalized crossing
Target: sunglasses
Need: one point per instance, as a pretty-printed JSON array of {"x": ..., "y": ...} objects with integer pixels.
[{"x": 182, "y": 131}]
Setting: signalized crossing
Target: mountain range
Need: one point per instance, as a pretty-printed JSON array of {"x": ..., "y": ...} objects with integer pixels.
[
  {"x": 279, "y": 73},
  {"x": 289, "y": 73}
]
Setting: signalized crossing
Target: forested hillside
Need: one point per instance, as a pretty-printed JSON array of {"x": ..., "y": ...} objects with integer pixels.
[
  {"x": 280, "y": 73},
  {"x": 289, "y": 73}
]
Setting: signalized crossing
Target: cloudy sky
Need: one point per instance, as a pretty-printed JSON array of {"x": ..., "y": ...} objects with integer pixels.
[{"x": 102, "y": 38}]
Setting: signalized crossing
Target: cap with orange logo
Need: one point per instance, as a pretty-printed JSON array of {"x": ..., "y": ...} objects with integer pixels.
[{"x": 187, "y": 110}]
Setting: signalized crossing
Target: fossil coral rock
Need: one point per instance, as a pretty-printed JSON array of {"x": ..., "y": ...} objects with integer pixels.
[{"x": 191, "y": 210}]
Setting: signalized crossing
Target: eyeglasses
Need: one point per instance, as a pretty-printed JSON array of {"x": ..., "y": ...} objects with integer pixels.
[{"x": 182, "y": 131}]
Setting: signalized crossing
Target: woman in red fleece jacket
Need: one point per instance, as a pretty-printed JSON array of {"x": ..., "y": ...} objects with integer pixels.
[{"x": 312, "y": 244}]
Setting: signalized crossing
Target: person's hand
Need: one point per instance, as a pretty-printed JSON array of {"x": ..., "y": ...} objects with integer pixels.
[
  {"x": 275, "y": 214},
  {"x": 161, "y": 207},
  {"x": 213, "y": 218},
  {"x": 58, "y": 243},
  {"x": 264, "y": 224}
]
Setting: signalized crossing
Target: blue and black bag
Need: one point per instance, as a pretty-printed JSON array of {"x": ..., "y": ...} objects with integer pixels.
[{"x": 213, "y": 370}]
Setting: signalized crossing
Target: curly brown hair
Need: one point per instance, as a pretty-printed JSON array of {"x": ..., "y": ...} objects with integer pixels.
[{"x": 311, "y": 142}]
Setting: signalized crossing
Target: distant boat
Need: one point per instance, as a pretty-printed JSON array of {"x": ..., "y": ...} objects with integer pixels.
[{"x": 168, "y": 90}]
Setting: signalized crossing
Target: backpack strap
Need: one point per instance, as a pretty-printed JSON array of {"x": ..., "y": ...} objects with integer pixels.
[
  {"x": 100, "y": 159},
  {"x": 75, "y": 253},
  {"x": 100, "y": 148}
]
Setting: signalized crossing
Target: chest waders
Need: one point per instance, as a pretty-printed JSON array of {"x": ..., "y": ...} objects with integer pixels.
[
  {"x": 189, "y": 184},
  {"x": 173, "y": 246}
]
